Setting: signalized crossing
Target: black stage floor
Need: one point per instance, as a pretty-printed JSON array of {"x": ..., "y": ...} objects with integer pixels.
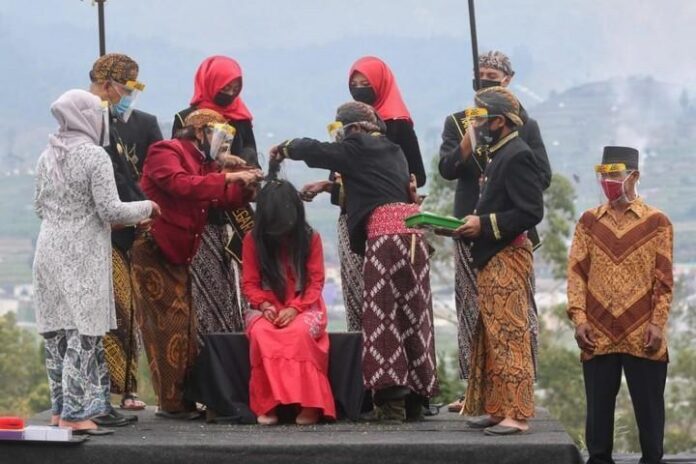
[{"x": 440, "y": 439}]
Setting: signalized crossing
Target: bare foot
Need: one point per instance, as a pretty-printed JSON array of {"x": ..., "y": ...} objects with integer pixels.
[
  {"x": 55, "y": 419},
  {"x": 79, "y": 425},
  {"x": 268, "y": 419},
  {"x": 132, "y": 404},
  {"x": 510, "y": 422},
  {"x": 308, "y": 416}
]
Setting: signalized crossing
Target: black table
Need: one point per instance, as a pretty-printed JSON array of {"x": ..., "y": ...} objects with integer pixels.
[{"x": 220, "y": 377}]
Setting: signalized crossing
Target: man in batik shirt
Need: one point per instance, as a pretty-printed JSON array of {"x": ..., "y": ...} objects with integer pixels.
[{"x": 619, "y": 295}]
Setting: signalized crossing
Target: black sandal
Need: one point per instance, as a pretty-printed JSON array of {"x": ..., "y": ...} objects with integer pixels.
[
  {"x": 94, "y": 432},
  {"x": 184, "y": 415}
]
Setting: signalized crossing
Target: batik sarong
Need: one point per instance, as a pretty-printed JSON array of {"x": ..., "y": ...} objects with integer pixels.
[
  {"x": 121, "y": 344},
  {"x": 397, "y": 323},
  {"x": 501, "y": 369},
  {"x": 466, "y": 303},
  {"x": 167, "y": 321},
  {"x": 351, "y": 277},
  {"x": 215, "y": 285}
]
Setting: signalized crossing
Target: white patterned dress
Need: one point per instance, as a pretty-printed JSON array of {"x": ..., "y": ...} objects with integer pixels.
[{"x": 72, "y": 267}]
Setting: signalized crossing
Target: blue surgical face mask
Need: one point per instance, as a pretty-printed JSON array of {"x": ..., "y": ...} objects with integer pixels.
[{"x": 121, "y": 108}]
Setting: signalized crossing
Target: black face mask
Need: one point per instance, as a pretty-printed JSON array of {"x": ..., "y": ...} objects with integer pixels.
[
  {"x": 223, "y": 99},
  {"x": 485, "y": 83},
  {"x": 488, "y": 136},
  {"x": 363, "y": 94}
]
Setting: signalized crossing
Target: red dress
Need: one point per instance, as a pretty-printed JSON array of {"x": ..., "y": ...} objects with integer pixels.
[{"x": 289, "y": 365}]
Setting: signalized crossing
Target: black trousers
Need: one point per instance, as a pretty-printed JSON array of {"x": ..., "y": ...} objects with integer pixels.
[{"x": 646, "y": 384}]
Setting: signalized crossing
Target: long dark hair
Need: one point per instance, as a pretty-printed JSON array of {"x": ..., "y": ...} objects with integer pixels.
[{"x": 280, "y": 223}]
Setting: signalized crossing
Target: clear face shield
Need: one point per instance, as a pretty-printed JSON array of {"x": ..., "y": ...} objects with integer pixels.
[
  {"x": 477, "y": 127},
  {"x": 337, "y": 130},
  {"x": 129, "y": 93},
  {"x": 478, "y": 133},
  {"x": 221, "y": 137},
  {"x": 104, "y": 135},
  {"x": 611, "y": 179}
]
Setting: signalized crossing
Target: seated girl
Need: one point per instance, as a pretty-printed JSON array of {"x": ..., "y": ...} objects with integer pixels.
[{"x": 283, "y": 278}]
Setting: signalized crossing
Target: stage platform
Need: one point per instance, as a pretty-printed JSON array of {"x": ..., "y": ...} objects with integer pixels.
[{"x": 440, "y": 439}]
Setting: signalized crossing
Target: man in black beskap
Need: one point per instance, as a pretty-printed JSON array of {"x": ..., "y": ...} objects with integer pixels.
[
  {"x": 457, "y": 162},
  {"x": 501, "y": 359},
  {"x": 131, "y": 132}
]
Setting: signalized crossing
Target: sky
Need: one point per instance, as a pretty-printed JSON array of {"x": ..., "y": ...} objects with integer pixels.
[
  {"x": 297, "y": 52},
  {"x": 627, "y": 36}
]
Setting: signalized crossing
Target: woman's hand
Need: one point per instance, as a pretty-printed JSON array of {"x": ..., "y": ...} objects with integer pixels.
[
  {"x": 269, "y": 311},
  {"x": 311, "y": 190},
  {"x": 285, "y": 317},
  {"x": 156, "y": 210},
  {"x": 144, "y": 226},
  {"x": 276, "y": 153},
  {"x": 246, "y": 178},
  {"x": 230, "y": 162}
]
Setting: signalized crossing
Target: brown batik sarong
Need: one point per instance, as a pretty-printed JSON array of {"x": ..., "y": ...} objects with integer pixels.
[
  {"x": 397, "y": 322},
  {"x": 351, "y": 277},
  {"x": 466, "y": 303},
  {"x": 501, "y": 377},
  {"x": 167, "y": 321},
  {"x": 121, "y": 344},
  {"x": 214, "y": 285}
]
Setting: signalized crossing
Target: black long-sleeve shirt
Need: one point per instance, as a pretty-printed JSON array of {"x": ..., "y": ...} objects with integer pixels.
[
  {"x": 511, "y": 199},
  {"x": 400, "y": 131},
  {"x": 453, "y": 167},
  {"x": 373, "y": 169},
  {"x": 128, "y": 146}
]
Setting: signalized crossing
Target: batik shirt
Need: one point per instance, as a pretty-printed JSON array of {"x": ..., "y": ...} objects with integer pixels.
[{"x": 620, "y": 277}]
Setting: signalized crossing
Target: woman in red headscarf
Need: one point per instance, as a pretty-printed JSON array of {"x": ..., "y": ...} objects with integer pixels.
[
  {"x": 216, "y": 268},
  {"x": 372, "y": 82}
]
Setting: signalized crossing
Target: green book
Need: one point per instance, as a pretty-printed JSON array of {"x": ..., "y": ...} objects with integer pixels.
[{"x": 433, "y": 221}]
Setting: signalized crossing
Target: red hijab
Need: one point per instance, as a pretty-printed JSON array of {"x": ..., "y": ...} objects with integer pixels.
[
  {"x": 213, "y": 75},
  {"x": 389, "y": 103}
]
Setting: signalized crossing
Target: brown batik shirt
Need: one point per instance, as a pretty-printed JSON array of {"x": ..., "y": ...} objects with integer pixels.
[{"x": 620, "y": 277}]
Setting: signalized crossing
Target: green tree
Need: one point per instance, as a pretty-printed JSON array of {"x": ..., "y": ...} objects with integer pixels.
[
  {"x": 23, "y": 381},
  {"x": 559, "y": 212}
]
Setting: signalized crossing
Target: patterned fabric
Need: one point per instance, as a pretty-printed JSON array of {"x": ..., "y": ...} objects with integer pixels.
[
  {"x": 620, "y": 277},
  {"x": 397, "y": 323},
  {"x": 361, "y": 115},
  {"x": 389, "y": 219},
  {"x": 499, "y": 100},
  {"x": 121, "y": 344},
  {"x": 167, "y": 320},
  {"x": 201, "y": 118},
  {"x": 501, "y": 376},
  {"x": 77, "y": 375},
  {"x": 215, "y": 286},
  {"x": 352, "y": 282},
  {"x": 466, "y": 303},
  {"x": 116, "y": 67},
  {"x": 496, "y": 60},
  {"x": 72, "y": 266}
]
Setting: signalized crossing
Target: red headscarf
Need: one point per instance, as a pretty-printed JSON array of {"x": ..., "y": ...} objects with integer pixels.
[
  {"x": 389, "y": 103},
  {"x": 213, "y": 74}
]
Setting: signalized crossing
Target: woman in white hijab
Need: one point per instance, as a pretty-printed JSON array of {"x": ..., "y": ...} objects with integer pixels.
[{"x": 77, "y": 202}]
